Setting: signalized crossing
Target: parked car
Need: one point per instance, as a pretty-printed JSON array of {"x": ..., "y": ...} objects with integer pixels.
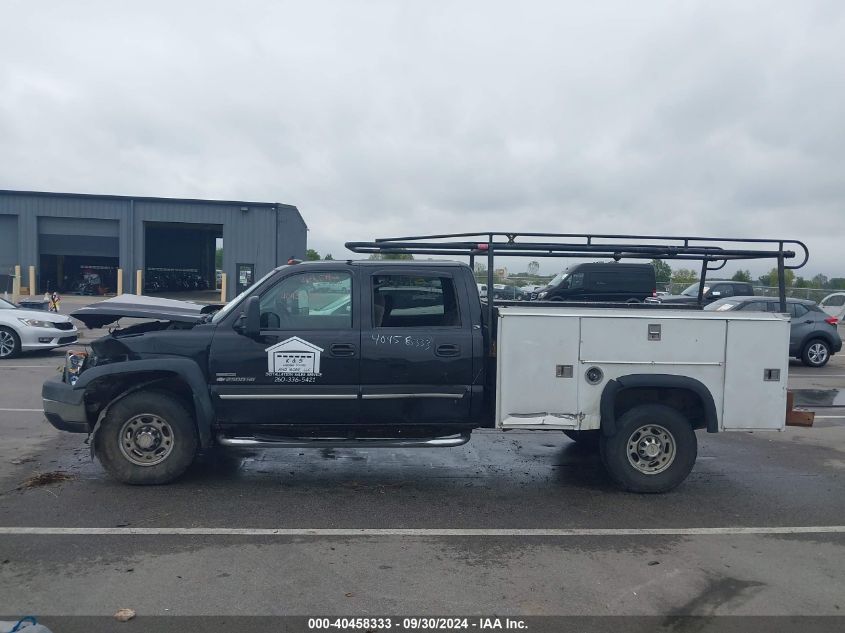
[
  {"x": 25, "y": 330},
  {"x": 834, "y": 305},
  {"x": 813, "y": 338},
  {"x": 601, "y": 281},
  {"x": 713, "y": 291},
  {"x": 507, "y": 292}
]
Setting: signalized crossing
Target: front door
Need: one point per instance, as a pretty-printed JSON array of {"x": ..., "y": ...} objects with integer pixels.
[
  {"x": 304, "y": 366},
  {"x": 416, "y": 349}
]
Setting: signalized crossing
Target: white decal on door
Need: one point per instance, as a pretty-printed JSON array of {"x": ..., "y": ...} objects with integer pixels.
[{"x": 293, "y": 356}]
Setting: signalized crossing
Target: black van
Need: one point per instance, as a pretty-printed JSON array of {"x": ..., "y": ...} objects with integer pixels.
[{"x": 600, "y": 281}]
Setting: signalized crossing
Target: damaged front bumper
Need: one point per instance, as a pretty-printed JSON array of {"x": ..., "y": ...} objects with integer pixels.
[{"x": 64, "y": 407}]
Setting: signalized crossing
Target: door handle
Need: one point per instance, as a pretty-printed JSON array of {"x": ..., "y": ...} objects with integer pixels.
[
  {"x": 342, "y": 349},
  {"x": 447, "y": 349}
]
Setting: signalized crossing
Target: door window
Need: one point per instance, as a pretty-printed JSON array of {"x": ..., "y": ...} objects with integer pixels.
[
  {"x": 308, "y": 301},
  {"x": 835, "y": 300},
  {"x": 576, "y": 280},
  {"x": 414, "y": 301},
  {"x": 723, "y": 290},
  {"x": 754, "y": 306},
  {"x": 797, "y": 310}
]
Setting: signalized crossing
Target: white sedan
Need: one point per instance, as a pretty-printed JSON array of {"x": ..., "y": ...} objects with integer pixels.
[
  {"x": 26, "y": 330},
  {"x": 834, "y": 305}
]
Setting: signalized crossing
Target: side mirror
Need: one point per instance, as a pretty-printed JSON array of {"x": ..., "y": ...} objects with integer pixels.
[{"x": 252, "y": 318}]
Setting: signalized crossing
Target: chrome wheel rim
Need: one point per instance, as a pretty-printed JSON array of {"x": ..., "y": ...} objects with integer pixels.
[
  {"x": 7, "y": 343},
  {"x": 146, "y": 439},
  {"x": 651, "y": 449},
  {"x": 817, "y": 353}
]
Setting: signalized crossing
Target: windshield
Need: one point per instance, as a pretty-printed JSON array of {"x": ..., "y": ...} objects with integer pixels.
[
  {"x": 721, "y": 306},
  {"x": 222, "y": 312},
  {"x": 558, "y": 278},
  {"x": 692, "y": 290}
]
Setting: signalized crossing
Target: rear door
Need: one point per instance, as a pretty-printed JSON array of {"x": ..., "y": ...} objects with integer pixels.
[
  {"x": 416, "y": 348},
  {"x": 803, "y": 324},
  {"x": 304, "y": 366}
]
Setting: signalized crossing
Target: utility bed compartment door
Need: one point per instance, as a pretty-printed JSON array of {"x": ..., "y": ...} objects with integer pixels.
[
  {"x": 532, "y": 351},
  {"x": 652, "y": 340},
  {"x": 756, "y": 372}
]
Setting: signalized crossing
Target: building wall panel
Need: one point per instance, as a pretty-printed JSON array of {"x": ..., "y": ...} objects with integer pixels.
[{"x": 263, "y": 234}]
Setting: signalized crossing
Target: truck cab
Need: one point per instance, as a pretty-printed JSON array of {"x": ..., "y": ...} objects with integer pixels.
[
  {"x": 396, "y": 347},
  {"x": 368, "y": 352}
]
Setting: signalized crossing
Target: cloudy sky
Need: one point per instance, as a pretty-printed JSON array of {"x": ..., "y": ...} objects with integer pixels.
[{"x": 380, "y": 118}]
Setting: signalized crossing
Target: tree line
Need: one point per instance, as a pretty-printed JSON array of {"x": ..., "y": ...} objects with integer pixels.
[{"x": 666, "y": 274}]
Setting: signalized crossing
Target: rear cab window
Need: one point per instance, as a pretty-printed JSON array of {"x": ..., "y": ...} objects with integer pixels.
[{"x": 414, "y": 300}]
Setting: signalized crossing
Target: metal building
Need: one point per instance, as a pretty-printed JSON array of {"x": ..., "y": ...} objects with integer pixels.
[{"x": 77, "y": 242}]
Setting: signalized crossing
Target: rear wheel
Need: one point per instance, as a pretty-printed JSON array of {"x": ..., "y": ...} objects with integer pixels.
[
  {"x": 816, "y": 353},
  {"x": 148, "y": 437},
  {"x": 10, "y": 343},
  {"x": 653, "y": 449}
]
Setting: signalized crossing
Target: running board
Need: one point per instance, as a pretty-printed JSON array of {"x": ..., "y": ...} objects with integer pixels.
[{"x": 343, "y": 442}]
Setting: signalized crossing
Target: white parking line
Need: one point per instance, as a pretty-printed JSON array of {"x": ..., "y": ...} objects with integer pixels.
[
  {"x": 830, "y": 417},
  {"x": 817, "y": 376},
  {"x": 422, "y": 532},
  {"x": 56, "y": 364},
  {"x": 23, "y": 410}
]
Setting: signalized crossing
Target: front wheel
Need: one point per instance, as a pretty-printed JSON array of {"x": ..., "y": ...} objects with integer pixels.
[
  {"x": 653, "y": 449},
  {"x": 148, "y": 437},
  {"x": 816, "y": 353},
  {"x": 10, "y": 343}
]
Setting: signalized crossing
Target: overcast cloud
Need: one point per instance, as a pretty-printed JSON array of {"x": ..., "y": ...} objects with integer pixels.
[{"x": 382, "y": 118}]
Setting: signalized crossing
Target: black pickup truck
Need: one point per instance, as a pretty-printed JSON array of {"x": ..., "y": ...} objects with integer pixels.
[{"x": 401, "y": 353}]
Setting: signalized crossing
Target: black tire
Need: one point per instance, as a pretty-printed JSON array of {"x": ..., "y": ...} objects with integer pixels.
[
  {"x": 660, "y": 421},
  {"x": 156, "y": 414},
  {"x": 8, "y": 335},
  {"x": 815, "y": 353},
  {"x": 587, "y": 439}
]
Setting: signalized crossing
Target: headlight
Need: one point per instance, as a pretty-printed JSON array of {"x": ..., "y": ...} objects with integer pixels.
[
  {"x": 74, "y": 364},
  {"x": 542, "y": 295},
  {"x": 37, "y": 323}
]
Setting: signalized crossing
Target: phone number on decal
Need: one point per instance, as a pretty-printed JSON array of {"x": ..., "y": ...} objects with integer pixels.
[{"x": 407, "y": 624}]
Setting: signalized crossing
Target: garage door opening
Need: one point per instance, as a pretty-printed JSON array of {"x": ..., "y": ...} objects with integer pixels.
[
  {"x": 179, "y": 259},
  {"x": 77, "y": 256}
]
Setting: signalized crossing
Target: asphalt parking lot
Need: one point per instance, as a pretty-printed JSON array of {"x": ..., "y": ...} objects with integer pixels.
[{"x": 515, "y": 523}]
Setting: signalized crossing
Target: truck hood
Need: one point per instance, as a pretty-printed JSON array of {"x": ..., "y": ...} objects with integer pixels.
[{"x": 139, "y": 307}]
